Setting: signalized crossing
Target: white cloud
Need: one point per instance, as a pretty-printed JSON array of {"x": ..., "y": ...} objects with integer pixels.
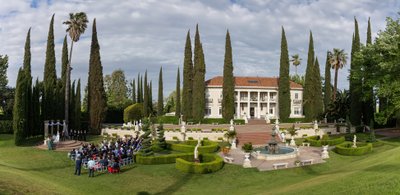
[{"x": 139, "y": 35}]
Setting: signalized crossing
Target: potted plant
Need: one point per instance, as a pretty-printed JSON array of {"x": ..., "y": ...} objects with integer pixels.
[{"x": 225, "y": 150}]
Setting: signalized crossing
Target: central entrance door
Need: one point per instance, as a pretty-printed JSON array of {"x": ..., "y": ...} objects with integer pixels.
[{"x": 251, "y": 112}]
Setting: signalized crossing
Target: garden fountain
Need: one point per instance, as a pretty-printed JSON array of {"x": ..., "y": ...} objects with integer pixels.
[{"x": 273, "y": 151}]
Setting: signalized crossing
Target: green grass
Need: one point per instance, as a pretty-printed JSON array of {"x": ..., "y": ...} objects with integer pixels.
[{"x": 26, "y": 170}]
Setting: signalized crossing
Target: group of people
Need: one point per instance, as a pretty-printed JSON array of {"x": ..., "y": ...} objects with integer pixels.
[
  {"x": 74, "y": 135},
  {"x": 108, "y": 155}
]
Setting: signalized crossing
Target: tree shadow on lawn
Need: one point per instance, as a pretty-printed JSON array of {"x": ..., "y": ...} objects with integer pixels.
[{"x": 174, "y": 187}]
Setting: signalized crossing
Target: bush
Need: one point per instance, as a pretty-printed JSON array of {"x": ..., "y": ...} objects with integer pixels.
[
  {"x": 209, "y": 163},
  {"x": 133, "y": 113},
  {"x": 168, "y": 120},
  {"x": 6, "y": 126},
  {"x": 315, "y": 141},
  {"x": 247, "y": 147},
  {"x": 163, "y": 159},
  {"x": 347, "y": 149},
  {"x": 188, "y": 146},
  {"x": 114, "y": 115},
  {"x": 377, "y": 144}
]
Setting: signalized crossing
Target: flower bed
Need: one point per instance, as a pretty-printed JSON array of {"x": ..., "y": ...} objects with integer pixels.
[
  {"x": 209, "y": 163},
  {"x": 347, "y": 149},
  {"x": 314, "y": 141}
]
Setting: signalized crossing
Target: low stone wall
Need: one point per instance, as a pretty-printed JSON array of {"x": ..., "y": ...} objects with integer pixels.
[
  {"x": 322, "y": 131},
  {"x": 171, "y": 135}
]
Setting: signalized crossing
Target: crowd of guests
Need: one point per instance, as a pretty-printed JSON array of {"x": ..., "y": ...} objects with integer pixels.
[{"x": 108, "y": 155}]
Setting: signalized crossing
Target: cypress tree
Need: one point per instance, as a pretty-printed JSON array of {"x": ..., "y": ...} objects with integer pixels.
[
  {"x": 308, "y": 92},
  {"x": 146, "y": 97},
  {"x": 97, "y": 102},
  {"x": 160, "y": 102},
  {"x": 178, "y": 95},
  {"x": 198, "y": 95},
  {"x": 318, "y": 100},
  {"x": 355, "y": 84},
  {"x": 64, "y": 64},
  {"x": 150, "y": 90},
  {"x": 284, "y": 83},
  {"x": 77, "y": 111},
  {"x": 187, "y": 80},
  {"x": 161, "y": 143},
  {"x": 133, "y": 84},
  {"x": 50, "y": 77},
  {"x": 71, "y": 108},
  {"x": 138, "y": 89},
  {"x": 28, "y": 78},
  {"x": 328, "y": 88},
  {"x": 228, "y": 85},
  {"x": 37, "y": 124},
  {"x": 141, "y": 89},
  {"x": 368, "y": 105},
  {"x": 19, "y": 109}
]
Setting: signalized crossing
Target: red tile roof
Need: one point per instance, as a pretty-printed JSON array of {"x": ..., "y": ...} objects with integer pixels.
[{"x": 259, "y": 82}]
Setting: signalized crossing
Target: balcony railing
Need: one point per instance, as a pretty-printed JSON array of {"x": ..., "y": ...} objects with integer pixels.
[
  {"x": 297, "y": 101},
  {"x": 272, "y": 99},
  {"x": 243, "y": 99}
]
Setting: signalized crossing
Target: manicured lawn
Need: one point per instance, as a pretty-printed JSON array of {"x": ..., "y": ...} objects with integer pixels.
[{"x": 28, "y": 170}]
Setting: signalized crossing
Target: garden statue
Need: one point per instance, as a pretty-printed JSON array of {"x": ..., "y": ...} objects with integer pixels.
[
  {"x": 315, "y": 124},
  {"x": 297, "y": 151},
  {"x": 233, "y": 145},
  {"x": 283, "y": 137},
  {"x": 325, "y": 153},
  {"x": 267, "y": 119},
  {"x": 354, "y": 141},
  {"x": 292, "y": 142},
  {"x": 231, "y": 128},
  {"x": 183, "y": 128},
  {"x": 277, "y": 125},
  {"x": 196, "y": 151},
  {"x": 247, "y": 162}
]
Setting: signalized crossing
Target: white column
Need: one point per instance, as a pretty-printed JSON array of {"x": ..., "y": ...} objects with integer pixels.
[
  {"x": 248, "y": 104},
  {"x": 258, "y": 104},
  {"x": 268, "y": 103}
]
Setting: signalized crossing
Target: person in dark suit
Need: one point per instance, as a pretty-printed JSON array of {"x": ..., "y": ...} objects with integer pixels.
[{"x": 78, "y": 164}]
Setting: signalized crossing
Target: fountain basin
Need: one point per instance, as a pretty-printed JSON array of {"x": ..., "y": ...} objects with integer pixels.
[{"x": 284, "y": 152}]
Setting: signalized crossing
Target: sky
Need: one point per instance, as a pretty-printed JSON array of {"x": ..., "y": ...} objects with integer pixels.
[{"x": 144, "y": 35}]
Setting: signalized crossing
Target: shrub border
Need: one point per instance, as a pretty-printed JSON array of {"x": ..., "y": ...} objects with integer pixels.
[
  {"x": 213, "y": 164},
  {"x": 318, "y": 143},
  {"x": 362, "y": 149}
]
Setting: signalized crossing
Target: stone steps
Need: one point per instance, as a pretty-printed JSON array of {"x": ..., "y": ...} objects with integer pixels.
[
  {"x": 63, "y": 145},
  {"x": 256, "y": 122}
]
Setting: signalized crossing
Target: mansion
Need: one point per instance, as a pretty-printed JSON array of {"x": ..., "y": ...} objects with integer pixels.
[{"x": 255, "y": 97}]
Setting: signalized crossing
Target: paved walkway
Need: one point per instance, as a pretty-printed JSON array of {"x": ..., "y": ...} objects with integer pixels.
[{"x": 306, "y": 153}]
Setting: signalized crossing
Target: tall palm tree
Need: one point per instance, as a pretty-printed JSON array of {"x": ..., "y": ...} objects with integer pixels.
[
  {"x": 77, "y": 25},
  {"x": 337, "y": 59},
  {"x": 296, "y": 60}
]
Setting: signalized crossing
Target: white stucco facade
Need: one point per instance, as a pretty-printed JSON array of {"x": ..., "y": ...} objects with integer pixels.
[{"x": 253, "y": 101}]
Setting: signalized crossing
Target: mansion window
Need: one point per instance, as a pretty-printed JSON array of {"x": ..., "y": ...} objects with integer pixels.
[
  {"x": 220, "y": 111},
  {"x": 296, "y": 111},
  {"x": 208, "y": 111},
  {"x": 271, "y": 111},
  {"x": 296, "y": 96}
]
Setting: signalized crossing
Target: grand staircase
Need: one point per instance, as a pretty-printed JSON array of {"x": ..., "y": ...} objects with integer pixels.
[
  {"x": 256, "y": 138},
  {"x": 256, "y": 122},
  {"x": 63, "y": 145}
]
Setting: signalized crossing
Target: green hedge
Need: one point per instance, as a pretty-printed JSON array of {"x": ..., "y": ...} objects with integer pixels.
[
  {"x": 162, "y": 159},
  {"x": 209, "y": 163},
  {"x": 313, "y": 140},
  {"x": 377, "y": 144},
  {"x": 188, "y": 146},
  {"x": 168, "y": 120},
  {"x": 290, "y": 120},
  {"x": 6, "y": 126},
  {"x": 346, "y": 149}
]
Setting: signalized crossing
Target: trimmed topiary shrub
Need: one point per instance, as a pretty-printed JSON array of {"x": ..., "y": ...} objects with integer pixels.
[
  {"x": 168, "y": 120},
  {"x": 133, "y": 113},
  {"x": 326, "y": 140},
  {"x": 347, "y": 149},
  {"x": 209, "y": 163},
  {"x": 162, "y": 159},
  {"x": 188, "y": 146}
]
